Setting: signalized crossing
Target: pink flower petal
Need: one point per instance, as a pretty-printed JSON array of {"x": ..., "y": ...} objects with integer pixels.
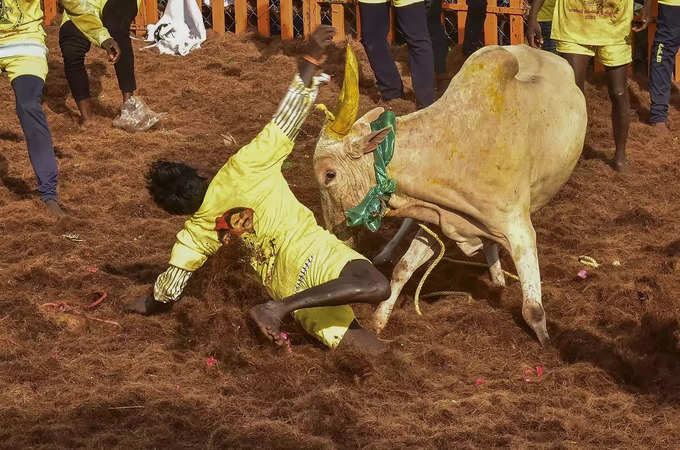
[
  {"x": 582, "y": 274},
  {"x": 479, "y": 381},
  {"x": 210, "y": 361},
  {"x": 539, "y": 371}
]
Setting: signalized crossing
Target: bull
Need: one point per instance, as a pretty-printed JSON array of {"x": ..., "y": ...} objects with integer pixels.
[{"x": 497, "y": 146}]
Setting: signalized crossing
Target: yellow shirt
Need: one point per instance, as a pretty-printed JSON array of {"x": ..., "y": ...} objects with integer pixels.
[
  {"x": 545, "y": 14},
  {"x": 592, "y": 22},
  {"x": 21, "y": 24},
  {"x": 96, "y": 6},
  {"x": 286, "y": 232}
]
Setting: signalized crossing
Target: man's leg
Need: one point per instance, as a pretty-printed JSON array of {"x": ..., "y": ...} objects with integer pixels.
[
  {"x": 74, "y": 45},
  {"x": 375, "y": 24},
  {"x": 579, "y": 64},
  {"x": 666, "y": 43},
  {"x": 549, "y": 45},
  {"x": 474, "y": 27},
  {"x": 413, "y": 23},
  {"x": 358, "y": 282},
  {"x": 617, "y": 82},
  {"x": 440, "y": 45},
  {"x": 28, "y": 92},
  {"x": 117, "y": 17}
]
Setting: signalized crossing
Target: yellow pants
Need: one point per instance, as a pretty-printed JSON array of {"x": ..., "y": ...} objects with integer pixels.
[
  {"x": 609, "y": 55},
  {"x": 327, "y": 323},
  {"x": 16, "y": 66}
]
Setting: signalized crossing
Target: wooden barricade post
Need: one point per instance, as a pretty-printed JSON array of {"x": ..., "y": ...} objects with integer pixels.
[
  {"x": 240, "y": 16},
  {"x": 263, "y": 17},
  {"x": 286, "y": 18},
  {"x": 218, "y": 16},
  {"x": 516, "y": 24},
  {"x": 50, "y": 11},
  {"x": 338, "y": 20}
]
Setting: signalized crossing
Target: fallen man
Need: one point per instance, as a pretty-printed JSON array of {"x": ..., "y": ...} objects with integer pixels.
[{"x": 306, "y": 270}]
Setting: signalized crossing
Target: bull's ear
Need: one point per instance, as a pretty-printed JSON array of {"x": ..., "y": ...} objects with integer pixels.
[
  {"x": 368, "y": 143},
  {"x": 372, "y": 115},
  {"x": 363, "y": 125}
]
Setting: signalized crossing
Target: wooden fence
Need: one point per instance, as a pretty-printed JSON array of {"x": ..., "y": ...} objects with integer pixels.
[{"x": 312, "y": 16}]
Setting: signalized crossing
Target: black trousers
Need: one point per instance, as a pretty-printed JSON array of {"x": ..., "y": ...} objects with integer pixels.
[
  {"x": 440, "y": 44},
  {"x": 412, "y": 20},
  {"x": 474, "y": 27},
  {"x": 664, "y": 49},
  {"x": 117, "y": 16}
]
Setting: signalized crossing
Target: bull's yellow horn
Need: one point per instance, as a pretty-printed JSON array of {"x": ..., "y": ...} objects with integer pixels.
[{"x": 348, "y": 106}]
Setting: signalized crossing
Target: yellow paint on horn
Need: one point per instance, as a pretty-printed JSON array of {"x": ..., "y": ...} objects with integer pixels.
[{"x": 348, "y": 106}]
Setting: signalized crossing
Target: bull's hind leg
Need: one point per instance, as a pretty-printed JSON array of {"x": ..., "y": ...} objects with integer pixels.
[
  {"x": 421, "y": 249},
  {"x": 522, "y": 241},
  {"x": 494, "y": 263}
]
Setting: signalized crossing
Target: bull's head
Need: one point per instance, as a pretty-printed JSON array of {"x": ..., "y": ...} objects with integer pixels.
[{"x": 343, "y": 173}]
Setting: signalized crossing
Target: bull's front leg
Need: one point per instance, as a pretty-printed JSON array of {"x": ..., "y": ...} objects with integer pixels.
[
  {"x": 522, "y": 241},
  {"x": 421, "y": 249},
  {"x": 494, "y": 263}
]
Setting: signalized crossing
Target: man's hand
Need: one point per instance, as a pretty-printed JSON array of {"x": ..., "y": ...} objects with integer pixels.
[
  {"x": 642, "y": 21},
  {"x": 534, "y": 34},
  {"x": 112, "y": 49},
  {"x": 146, "y": 306},
  {"x": 320, "y": 40}
]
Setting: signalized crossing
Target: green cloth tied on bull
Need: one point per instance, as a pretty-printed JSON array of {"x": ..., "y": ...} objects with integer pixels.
[{"x": 374, "y": 206}]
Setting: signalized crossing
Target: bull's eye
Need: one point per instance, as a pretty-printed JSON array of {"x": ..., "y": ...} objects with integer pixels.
[{"x": 330, "y": 176}]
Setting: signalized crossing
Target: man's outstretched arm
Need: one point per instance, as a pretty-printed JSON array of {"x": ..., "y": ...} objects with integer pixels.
[{"x": 275, "y": 141}]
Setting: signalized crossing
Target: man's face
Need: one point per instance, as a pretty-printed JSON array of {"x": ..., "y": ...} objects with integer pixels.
[{"x": 242, "y": 222}]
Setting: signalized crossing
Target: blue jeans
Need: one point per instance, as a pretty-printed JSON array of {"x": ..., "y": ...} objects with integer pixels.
[
  {"x": 664, "y": 49},
  {"x": 549, "y": 45},
  {"x": 440, "y": 44},
  {"x": 28, "y": 92},
  {"x": 412, "y": 20}
]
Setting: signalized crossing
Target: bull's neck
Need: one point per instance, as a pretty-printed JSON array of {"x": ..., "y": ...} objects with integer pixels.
[{"x": 414, "y": 132}]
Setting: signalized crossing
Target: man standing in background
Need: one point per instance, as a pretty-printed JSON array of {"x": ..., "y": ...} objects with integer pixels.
[
  {"x": 23, "y": 55},
  {"x": 412, "y": 19},
  {"x": 664, "y": 50},
  {"x": 440, "y": 43}
]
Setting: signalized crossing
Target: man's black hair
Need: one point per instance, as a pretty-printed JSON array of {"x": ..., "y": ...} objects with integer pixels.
[{"x": 176, "y": 187}]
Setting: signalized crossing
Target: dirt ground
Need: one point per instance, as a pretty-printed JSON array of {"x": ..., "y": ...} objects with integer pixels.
[{"x": 462, "y": 375}]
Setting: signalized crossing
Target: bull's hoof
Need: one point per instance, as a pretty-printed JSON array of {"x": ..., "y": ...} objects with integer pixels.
[
  {"x": 534, "y": 316},
  {"x": 381, "y": 316},
  {"x": 498, "y": 281}
]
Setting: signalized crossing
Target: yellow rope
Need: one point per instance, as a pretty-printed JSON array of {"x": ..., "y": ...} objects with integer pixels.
[
  {"x": 477, "y": 264},
  {"x": 449, "y": 293},
  {"x": 416, "y": 299}
]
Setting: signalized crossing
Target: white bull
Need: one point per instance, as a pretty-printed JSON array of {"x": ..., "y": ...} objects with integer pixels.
[{"x": 497, "y": 146}]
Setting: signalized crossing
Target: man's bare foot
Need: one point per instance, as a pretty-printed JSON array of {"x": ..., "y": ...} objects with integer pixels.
[
  {"x": 267, "y": 317},
  {"x": 621, "y": 165},
  {"x": 363, "y": 340},
  {"x": 54, "y": 209},
  {"x": 85, "y": 108},
  {"x": 147, "y": 306}
]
